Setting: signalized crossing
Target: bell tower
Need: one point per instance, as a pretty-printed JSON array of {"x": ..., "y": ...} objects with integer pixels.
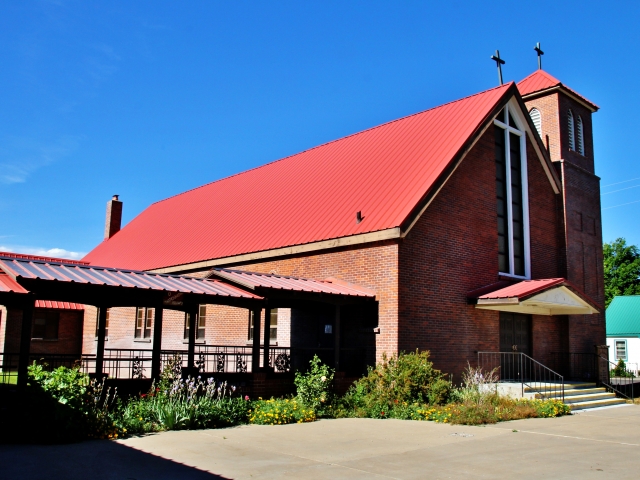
[{"x": 563, "y": 119}]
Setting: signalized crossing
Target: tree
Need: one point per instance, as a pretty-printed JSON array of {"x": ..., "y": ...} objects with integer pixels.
[{"x": 621, "y": 269}]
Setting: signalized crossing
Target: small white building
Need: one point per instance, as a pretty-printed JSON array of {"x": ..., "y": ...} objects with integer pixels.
[{"x": 623, "y": 331}]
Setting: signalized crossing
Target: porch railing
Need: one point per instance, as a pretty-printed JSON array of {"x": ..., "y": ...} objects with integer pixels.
[
  {"x": 123, "y": 363},
  {"x": 517, "y": 367}
]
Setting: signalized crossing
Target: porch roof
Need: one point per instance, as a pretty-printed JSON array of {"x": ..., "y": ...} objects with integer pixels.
[
  {"x": 58, "y": 305},
  {"x": 549, "y": 296},
  {"x": 9, "y": 285},
  {"x": 269, "y": 284},
  {"x": 67, "y": 282}
]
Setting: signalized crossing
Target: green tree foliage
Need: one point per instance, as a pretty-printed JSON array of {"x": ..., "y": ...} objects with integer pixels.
[{"x": 621, "y": 269}]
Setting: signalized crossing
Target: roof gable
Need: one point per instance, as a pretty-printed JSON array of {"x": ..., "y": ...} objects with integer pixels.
[
  {"x": 313, "y": 196},
  {"x": 623, "y": 316},
  {"x": 541, "y": 81}
]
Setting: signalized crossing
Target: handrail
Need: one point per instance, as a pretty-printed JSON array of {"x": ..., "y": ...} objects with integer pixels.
[
  {"x": 627, "y": 379},
  {"x": 520, "y": 368}
]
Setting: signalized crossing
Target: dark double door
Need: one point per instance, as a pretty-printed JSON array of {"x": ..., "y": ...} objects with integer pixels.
[{"x": 515, "y": 337}]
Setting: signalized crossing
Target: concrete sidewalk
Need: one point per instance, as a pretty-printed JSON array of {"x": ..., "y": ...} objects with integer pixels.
[{"x": 600, "y": 444}]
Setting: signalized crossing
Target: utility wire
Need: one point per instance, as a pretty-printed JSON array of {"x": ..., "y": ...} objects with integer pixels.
[
  {"x": 621, "y": 205},
  {"x": 615, "y": 191},
  {"x": 618, "y": 183}
]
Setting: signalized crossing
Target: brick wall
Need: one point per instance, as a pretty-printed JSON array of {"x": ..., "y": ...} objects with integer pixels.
[
  {"x": 453, "y": 249},
  {"x": 69, "y": 333}
]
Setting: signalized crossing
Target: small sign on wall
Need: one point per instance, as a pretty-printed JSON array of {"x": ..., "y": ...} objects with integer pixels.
[{"x": 328, "y": 329}]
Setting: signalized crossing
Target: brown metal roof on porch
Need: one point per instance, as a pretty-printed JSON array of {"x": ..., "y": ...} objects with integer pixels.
[
  {"x": 110, "y": 286},
  {"x": 275, "y": 286}
]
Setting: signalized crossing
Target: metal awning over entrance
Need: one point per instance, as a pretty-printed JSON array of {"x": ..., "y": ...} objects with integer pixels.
[{"x": 551, "y": 296}]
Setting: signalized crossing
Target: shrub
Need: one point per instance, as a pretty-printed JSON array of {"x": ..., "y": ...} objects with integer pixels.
[
  {"x": 68, "y": 406},
  {"x": 403, "y": 380},
  {"x": 280, "y": 412},
  {"x": 620, "y": 370},
  {"x": 314, "y": 387}
]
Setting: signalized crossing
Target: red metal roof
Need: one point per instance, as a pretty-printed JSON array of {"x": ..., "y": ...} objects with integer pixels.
[
  {"x": 58, "y": 305},
  {"x": 254, "y": 280},
  {"x": 528, "y": 288},
  {"x": 541, "y": 80},
  {"x": 9, "y": 285},
  {"x": 29, "y": 269},
  {"x": 382, "y": 172},
  {"x": 25, "y": 256}
]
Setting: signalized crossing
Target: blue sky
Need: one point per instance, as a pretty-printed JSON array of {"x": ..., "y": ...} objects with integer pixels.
[{"x": 148, "y": 99}]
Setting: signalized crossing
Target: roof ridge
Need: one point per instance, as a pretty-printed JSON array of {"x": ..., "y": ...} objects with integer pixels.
[{"x": 505, "y": 86}]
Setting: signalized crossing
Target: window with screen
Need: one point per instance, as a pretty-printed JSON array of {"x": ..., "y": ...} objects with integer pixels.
[
  {"x": 45, "y": 324},
  {"x": 621, "y": 350}
]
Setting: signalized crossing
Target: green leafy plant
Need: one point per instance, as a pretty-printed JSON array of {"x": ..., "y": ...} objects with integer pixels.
[
  {"x": 314, "y": 387},
  {"x": 620, "y": 370},
  {"x": 406, "y": 379}
]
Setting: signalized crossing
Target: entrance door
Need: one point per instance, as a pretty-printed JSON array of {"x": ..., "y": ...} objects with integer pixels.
[{"x": 515, "y": 336}]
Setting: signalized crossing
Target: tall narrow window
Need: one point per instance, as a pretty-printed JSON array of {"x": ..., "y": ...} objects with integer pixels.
[
  {"x": 106, "y": 329},
  {"x": 273, "y": 325},
  {"x": 572, "y": 143},
  {"x": 144, "y": 321},
  {"x": 537, "y": 120},
  {"x": 621, "y": 350},
  {"x": 201, "y": 324},
  {"x": 251, "y": 327},
  {"x": 579, "y": 136},
  {"x": 511, "y": 197}
]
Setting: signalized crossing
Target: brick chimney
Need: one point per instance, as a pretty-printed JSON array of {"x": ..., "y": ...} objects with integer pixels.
[{"x": 114, "y": 217}]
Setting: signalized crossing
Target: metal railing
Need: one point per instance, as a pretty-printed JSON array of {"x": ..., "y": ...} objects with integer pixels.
[
  {"x": 517, "y": 367},
  {"x": 591, "y": 367}
]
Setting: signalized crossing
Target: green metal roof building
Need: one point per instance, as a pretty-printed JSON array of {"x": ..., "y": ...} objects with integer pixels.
[{"x": 623, "y": 317}]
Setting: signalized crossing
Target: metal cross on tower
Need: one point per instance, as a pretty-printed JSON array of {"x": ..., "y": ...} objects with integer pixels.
[
  {"x": 540, "y": 53},
  {"x": 499, "y": 62}
]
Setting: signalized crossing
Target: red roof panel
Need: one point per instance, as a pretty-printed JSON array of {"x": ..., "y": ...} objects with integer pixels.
[
  {"x": 58, "y": 305},
  {"x": 25, "y": 256},
  {"x": 294, "y": 284},
  {"x": 9, "y": 285},
  {"x": 541, "y": 80},
  {"x": 312, "y": 196}
]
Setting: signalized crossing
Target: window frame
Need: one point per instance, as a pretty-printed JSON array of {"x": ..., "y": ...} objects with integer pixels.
[
  {"x": 106, "y": 330},
  {"x": 580, "y": 136},
  {"x": 200, "y": 326},
  {"x": 143, "y": 323},
  {"x": 48, "y": 315},
  {"x": 511, "y": 110},
  {"x": 626, "y": 351},
  {"x": 571, "y": 130},
  {"x": 538, "y": 125}
]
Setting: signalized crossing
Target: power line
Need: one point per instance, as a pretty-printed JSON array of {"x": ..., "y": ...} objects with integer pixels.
[
  {"x": 621, "y": 205},
  {"x": 618, "y": 183},
  {"x": 627, "y": 188}
]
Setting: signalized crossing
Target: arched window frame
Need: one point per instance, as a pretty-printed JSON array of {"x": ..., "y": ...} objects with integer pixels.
[
  {"x": 570, "y": 128},
  {"x": 512, "y": 112},
  {"x": 536, "y": 118},
  {"x": 580, "y": 136}
]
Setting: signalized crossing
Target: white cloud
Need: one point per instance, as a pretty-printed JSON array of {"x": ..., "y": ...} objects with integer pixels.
[
  {"x": 51, "y": 252},
  {"x": 19, "y": 157}
]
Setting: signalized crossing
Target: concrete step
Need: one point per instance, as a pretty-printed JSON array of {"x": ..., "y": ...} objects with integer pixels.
[
  {"x": 567, "y": 386},
  {"x": 571, "y": 393},
  {"x": 588, "y": 398},
  {"x": 597, "y": 403}
]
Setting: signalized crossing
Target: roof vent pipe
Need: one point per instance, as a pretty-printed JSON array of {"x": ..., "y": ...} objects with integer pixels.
[
  {"x": 359, "y": 217},
  {"x": 114, "y": 217}
]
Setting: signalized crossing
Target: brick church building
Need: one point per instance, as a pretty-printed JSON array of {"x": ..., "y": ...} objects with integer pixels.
[{"x": 473, "y": 226}]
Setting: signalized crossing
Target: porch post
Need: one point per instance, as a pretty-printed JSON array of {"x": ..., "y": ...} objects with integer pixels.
[
  {"x": 25, "y": 341},
  {"x": 336, "y": 339},
  {"x": 157, "y": 344},
  {"x": 193, "y": 325},
  {"x": 255, "y": 353},
  {"x": 267, "y": 336},
  {"x": 102, "y": 334}
]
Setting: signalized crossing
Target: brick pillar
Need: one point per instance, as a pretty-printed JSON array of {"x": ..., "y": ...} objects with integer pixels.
[{"x": 25, "y": 341}]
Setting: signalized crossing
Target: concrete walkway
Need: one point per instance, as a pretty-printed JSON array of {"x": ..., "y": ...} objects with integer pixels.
[{"x": 600, "y": 444}]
